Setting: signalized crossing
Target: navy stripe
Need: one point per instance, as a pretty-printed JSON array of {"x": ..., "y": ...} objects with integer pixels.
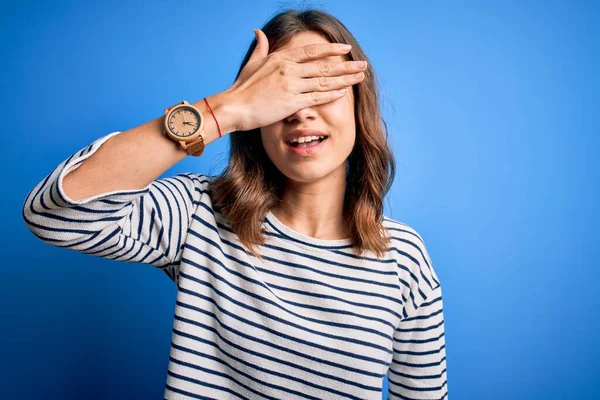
[
  {"x": 310, "y": 320},
  {"x": 277, "y": 360},
  {"x": 258, "y": 311}
]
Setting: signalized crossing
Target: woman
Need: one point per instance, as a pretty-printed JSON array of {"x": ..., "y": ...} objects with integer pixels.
[{"x": 291, "y": 282}]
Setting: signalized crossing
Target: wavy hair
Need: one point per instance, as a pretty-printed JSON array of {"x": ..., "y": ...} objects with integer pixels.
[{"x": 250, "y": 186}]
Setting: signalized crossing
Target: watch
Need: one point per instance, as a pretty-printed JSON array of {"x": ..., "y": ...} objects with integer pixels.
[{"x": 184, "y": 123}]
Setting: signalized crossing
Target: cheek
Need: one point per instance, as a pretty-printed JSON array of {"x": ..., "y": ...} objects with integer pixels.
[
  {"x": 271, "y": 145},
  {"x": 264, "y": 138},
  {"x": 340, "y": 115}
]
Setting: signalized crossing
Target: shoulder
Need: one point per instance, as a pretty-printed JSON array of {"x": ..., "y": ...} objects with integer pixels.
[
  {"x": 194, "y": 180},
  {"x": 401, "y": 231},
  {"x": 192, "y": 185},
  {"x": 198, "y": 178},
  {"x": 416, "y": 274}
]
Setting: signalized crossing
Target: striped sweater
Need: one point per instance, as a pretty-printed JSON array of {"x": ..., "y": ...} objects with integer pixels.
[{"x": 310, "y": 321}]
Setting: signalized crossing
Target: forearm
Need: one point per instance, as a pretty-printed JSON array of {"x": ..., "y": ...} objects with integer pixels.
[{"x": 136, "y": 157}]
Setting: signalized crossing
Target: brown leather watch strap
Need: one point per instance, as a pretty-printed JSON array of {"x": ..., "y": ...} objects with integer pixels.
[{"x": 195, "y": 148}]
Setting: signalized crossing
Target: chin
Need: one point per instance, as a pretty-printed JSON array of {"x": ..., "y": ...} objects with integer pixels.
[{"x": 305, "y": 175}]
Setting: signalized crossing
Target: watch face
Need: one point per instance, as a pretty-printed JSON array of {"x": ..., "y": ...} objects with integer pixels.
[{"x": 184, "y": 121}]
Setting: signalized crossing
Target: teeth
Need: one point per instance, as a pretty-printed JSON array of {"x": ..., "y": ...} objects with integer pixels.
[{"x": 305, "y": 139}]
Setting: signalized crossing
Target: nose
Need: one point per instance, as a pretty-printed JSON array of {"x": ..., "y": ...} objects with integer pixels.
[{"x": 302, "y": 115}]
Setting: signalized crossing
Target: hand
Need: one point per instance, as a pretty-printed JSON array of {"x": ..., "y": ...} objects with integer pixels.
[{"x": 274, "y": 86}]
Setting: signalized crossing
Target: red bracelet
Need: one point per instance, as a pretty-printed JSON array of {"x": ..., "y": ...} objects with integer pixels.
[{"x": 213, "y": 114}]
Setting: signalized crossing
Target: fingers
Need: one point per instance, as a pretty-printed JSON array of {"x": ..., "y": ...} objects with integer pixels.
[
  {"x": 258, "y": 57},
  {"x": 324, "y": 68},
  {"x": 315, "y": 98},
  {"x": 326, "y": 83},
  {"x": 321, "y": 76},
  {"x": 261, "y": 50},
  {"x": 314, "y": 51}
]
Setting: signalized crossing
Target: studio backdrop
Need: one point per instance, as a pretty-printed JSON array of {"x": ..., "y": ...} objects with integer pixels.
[{"x": 492, "y": 113}]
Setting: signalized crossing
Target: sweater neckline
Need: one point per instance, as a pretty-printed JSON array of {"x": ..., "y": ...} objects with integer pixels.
[{"x": 305, "y": 241}]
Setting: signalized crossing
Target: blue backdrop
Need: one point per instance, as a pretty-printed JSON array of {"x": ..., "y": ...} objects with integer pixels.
[{"x": 492, "y": 111}]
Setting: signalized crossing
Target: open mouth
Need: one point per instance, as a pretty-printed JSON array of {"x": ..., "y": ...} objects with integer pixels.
[{"x": 310, "y": 144}]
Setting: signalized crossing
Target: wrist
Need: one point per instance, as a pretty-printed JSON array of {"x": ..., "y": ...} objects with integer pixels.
[
  {"x": 226, "y": 112},
  {"x": 231, "y": 109}
]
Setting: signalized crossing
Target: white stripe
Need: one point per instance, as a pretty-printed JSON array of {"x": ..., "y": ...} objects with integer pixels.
[{"x": 313, "y": 320}]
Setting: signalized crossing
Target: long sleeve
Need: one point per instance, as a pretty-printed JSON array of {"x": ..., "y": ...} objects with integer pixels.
[
  {"x": 418, "y": 369},
  {"x": 147, "y": 225}
]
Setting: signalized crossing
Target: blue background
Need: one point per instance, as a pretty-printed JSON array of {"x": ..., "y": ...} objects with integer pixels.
[{"x": 492, "y": 109}]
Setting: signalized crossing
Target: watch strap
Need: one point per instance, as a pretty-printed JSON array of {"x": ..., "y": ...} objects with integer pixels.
[{"x": 195, "y": 148}]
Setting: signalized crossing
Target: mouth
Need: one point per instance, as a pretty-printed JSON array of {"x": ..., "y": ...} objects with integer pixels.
[
  {"x": 306, "y": 149},
  {"x": 298, "y": 145}
]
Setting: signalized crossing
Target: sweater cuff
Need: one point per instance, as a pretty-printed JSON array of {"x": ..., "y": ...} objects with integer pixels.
[{"x": 116, "y": 196}]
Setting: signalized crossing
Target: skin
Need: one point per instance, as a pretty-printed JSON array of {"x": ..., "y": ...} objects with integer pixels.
[{"x": 314, "y": 192}]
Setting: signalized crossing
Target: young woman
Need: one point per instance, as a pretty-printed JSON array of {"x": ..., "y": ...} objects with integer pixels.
[{"x": 292, "y": 284}]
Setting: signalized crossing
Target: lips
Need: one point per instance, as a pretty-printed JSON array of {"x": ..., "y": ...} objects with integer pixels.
[
  {"x": 302, "y": 133},
  {"x": 306, "y": 151}
]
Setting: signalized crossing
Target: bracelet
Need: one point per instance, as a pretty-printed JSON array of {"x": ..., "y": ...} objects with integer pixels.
[{"x": 213, "y": 114}]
